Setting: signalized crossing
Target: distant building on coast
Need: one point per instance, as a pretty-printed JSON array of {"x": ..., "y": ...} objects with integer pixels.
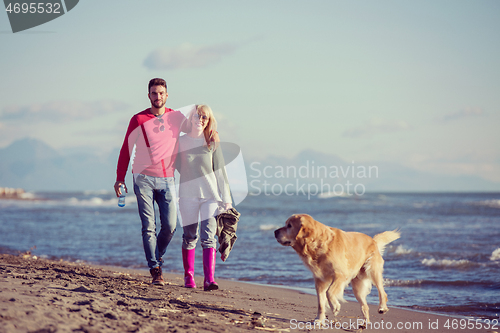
[{"x": 11, "y": 193}]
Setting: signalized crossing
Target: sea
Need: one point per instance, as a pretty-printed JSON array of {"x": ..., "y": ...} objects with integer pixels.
[{"x": 447, "y": 260}]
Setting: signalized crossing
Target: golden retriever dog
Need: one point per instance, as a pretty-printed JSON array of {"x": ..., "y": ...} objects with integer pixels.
[{"x": 337, "y": 258}]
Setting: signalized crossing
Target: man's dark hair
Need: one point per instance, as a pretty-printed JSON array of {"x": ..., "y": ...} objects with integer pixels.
[{"x": 156, "y": 82}]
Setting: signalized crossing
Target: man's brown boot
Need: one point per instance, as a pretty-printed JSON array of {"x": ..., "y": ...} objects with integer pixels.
[{"x": 157, "y": 276}]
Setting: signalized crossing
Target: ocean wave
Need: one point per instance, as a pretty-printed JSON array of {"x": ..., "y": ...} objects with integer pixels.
[
  {"x": 267, "y": 227},
  {"x": 97, "y": 201},
  {"x": 424, "y": 204},
  {"x": 440, "y": 284},
  {"x": 367, "y": 225},
  {"x": 447, "y": 263},
  {"x": 489, "y": 203},
  {"x": 28, "y": 195},
  {"x": 36, "y": 200},
  {"x": 495, "y": 256},
  {"x": 402, "y": 283},
  {"x": 401, "y": 250},
  {"x": 328, "y": 195},
  {"x": 98, "y": 192}
]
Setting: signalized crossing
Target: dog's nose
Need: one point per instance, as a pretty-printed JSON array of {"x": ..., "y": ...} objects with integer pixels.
[{"x": 276, "y": 233}]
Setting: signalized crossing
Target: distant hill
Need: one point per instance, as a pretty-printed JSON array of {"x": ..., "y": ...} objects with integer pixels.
[{"x": 33, "y": 165}]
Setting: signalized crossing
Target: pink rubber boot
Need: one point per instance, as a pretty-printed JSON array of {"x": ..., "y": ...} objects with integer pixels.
[
  {"x": 209, "y": 269},
  {"x": 188, "y": 261}
]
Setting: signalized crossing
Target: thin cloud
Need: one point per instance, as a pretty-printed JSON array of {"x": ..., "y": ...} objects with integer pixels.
[
  {"x": 377, "y": 126},
  {"x": 228, "y": 129},
  {"x": 61, "y": 111},
  {"x": 188, "y": 56},
  {"x": 468, "y": 112}
]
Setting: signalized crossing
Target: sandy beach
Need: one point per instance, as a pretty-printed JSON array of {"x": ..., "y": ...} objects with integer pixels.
[{"x": 40, "y": 295}]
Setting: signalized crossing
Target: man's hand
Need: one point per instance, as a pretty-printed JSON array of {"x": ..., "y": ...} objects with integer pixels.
[{"x": 118, "y": 190}]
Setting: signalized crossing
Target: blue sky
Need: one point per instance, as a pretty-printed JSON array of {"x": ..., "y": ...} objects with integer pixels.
[{"x": 413, "y": 83}]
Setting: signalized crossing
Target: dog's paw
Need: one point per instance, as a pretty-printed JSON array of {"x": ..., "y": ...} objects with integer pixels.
[
  {"x": 383, "y": 310},
  {"x": 320, "y": 318},
  {"x": 335, "y": 307},
  {"x": 362, "y": 324}
]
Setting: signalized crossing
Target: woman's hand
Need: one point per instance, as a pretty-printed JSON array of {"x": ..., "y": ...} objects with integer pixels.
[{"x": 227, "y": 206}]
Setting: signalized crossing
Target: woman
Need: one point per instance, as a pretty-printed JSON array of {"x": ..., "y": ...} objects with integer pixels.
[{"x": 203, "y": 189}]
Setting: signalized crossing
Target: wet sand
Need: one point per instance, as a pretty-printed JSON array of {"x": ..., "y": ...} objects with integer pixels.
[{"x": 46, "y": 296}]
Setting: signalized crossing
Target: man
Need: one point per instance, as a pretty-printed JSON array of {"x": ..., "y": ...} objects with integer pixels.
[{"x": 154, "y": 133}]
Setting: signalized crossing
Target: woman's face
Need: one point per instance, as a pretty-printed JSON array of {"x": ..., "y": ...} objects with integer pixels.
[{"x": 199, "y": 120}]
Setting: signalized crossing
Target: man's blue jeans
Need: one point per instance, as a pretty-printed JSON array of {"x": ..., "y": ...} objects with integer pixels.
[{"x": 149, "y": 189}]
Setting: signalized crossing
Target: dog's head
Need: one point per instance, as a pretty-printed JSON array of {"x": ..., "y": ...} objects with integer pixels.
[{"x": 297, "y": 227}]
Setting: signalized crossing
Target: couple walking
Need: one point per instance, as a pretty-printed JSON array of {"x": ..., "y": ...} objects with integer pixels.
[{"x": 203, "y": 188}]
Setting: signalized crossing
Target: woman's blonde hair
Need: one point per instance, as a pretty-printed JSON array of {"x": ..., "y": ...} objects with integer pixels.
[{"x": 210, "y": 131}]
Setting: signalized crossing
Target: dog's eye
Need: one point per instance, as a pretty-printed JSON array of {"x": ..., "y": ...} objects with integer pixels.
[{"x": 289, "y": 226}]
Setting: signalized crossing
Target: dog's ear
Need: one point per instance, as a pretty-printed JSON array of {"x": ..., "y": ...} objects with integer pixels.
[
  {"x": 309, "y": 227},
  {"x": 304, "y": 222}
]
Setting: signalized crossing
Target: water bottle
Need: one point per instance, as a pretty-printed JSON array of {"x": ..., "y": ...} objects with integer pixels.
[{"x": 121, "y": 199}]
